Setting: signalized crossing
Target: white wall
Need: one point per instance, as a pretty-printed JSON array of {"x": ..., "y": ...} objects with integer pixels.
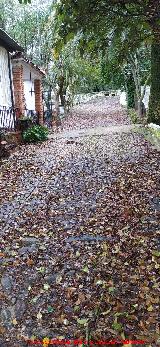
[
  {"x": 29, "y": 98},
  {"x": 5, "y": 92},
  {"x": 146, "y": 97},
  {"x": 123, "y": 99}
]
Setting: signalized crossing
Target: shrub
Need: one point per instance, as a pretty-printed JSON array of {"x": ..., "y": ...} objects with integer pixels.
[
  {"x": 155, "y": 132},
  {"x": 35, "y": 134},
  {"x": 24, "y": 123},
  {"x": 133, "y": 116}
]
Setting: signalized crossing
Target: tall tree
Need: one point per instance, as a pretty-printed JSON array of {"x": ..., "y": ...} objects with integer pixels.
[{"x": 101, "y": 16}]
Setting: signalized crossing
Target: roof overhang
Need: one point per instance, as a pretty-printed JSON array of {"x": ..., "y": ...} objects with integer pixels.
[
  {"x": 7, "y": 42},
  {"x": 18, "y": 58}
]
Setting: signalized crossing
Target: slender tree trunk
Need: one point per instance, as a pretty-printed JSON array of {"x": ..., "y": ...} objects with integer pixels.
[
  {"x": 139, "y": 95},
  {"x": 154, "y": 101},
  {"x": 57, "y": 103},
  {"x": 130, "y": 86},
  {"x": 137, "y": 81}
]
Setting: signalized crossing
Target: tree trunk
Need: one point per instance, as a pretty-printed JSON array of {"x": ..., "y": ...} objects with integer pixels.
[
  {"x": 61, "y": 89},
  {"x": 130, "y": 91},
  {"x": 57, "y": 103},
  {"x": 140, "y": 108},
  {"x": 137, "y": 81},
  {"x": 154, "y": 101}
]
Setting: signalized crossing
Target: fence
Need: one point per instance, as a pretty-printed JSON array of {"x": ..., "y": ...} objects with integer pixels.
[{"x": 7, "y": 118}]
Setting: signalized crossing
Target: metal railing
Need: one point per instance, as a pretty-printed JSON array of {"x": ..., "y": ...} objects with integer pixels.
[{"x": 7, "y": 118}]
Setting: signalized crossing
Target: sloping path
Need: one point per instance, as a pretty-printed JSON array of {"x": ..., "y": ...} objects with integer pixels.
[
  {"x": 97, "y": 131},
  {"x": 79, "y": 233}
]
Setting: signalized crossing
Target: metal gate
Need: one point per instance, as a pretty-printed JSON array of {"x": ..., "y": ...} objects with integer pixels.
[{"x": 7, "y": 118}]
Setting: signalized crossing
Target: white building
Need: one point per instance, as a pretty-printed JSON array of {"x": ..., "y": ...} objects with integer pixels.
[{"x": 20, "y": 84}]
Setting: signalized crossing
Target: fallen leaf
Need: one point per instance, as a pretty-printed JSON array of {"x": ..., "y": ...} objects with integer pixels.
[
  {"x": 82, "y": 321},
  {"x": 111, "y": 289},
  {"x": 30, "y": 262},
  {"x": 39, "y": 315},
  {"x": 50, "y": 309},
  {"x": 46, "y": 286},
  {"x": 14, "y": 321},
  {"x": 58, "y": 279},
  {"x": 117, "y": 326},
  {"x": 85, "y": 269}
]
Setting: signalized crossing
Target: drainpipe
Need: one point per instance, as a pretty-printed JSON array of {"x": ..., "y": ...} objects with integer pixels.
[{"x": 11, "y": 87}]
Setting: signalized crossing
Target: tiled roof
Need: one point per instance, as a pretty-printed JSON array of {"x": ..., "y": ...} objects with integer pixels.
[
  {"x": 7, "y": 42},
  {"x": 20, "y": 55}
]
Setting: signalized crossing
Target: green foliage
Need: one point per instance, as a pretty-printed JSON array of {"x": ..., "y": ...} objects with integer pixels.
[
  {"x": 133, "y": 116},
  {"x": 130, "y": 92},
  {"x": 35, "y": 134},
  {"x": 154, "y": 104},
  {"x": 81, "y": 73},
  {"x": 125, "y": 26},
  {"x": 155, "y": 132}
]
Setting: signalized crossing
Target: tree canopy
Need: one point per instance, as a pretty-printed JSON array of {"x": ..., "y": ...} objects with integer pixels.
[
  {"x": 138, "y": 21},
  {"x": 118, "y": 38}
]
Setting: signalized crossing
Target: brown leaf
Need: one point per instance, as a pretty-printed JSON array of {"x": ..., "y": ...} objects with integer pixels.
[{"x": 30, "y": 262}]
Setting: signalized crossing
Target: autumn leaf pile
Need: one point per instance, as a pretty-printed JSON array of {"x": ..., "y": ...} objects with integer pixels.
[{"x": 80, "y": 242}]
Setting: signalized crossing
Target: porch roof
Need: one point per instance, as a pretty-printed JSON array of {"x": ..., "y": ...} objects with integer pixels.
[
  {"x": 7, "y": 42},
  {"x": 19, "y": 56}
]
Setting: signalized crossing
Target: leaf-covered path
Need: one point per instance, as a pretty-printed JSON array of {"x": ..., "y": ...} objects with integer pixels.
[{"x": 80, "y": 234}]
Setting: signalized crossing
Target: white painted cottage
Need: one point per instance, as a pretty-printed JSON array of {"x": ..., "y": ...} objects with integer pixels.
[
  {"x": 20, "y": 84},
  {"x": 7, "y": 46},
  {"x": 27, "y": 81}
]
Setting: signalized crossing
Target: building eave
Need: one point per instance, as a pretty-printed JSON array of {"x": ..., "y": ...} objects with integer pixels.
[
  {"x": 20, "y": 57},
  {"x": 7, "y": 42}
]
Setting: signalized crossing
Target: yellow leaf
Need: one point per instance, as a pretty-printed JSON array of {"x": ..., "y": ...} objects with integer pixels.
[
  {"x": 106, "y": 312},
  {"x": 46, "y": 341},
  {"x": 82, "y": 321},
  {"x": 39, "y": 315},
  {"x": 14, "y": 321},
  {"x": 46, "y": 286},
  {"x": 105, "y": 247},
  {"x": 150, "y": 308},
  {"x": 85, "y": 269},
  {"x": 58, "y": 279}
]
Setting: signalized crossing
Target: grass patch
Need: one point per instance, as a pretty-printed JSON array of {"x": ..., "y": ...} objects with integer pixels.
[
  {"x": 150, "y": 134},
  {"x": 155, "y": 132}
]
